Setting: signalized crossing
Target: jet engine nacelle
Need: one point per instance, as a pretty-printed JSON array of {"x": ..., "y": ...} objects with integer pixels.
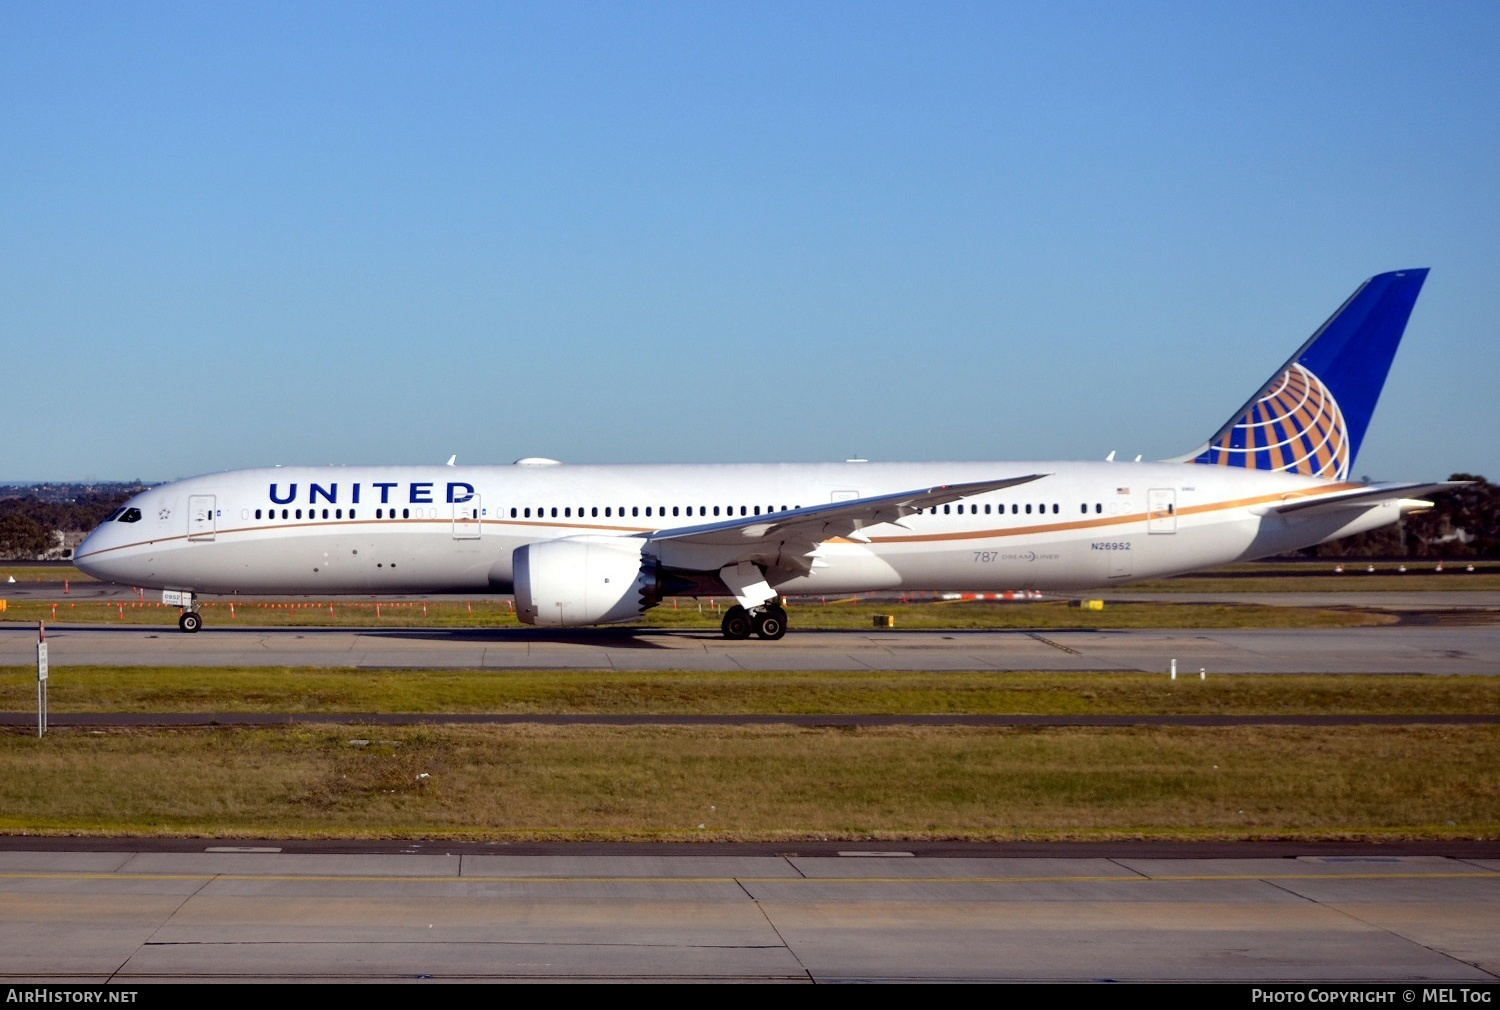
[{"x": 583, "y": 580}]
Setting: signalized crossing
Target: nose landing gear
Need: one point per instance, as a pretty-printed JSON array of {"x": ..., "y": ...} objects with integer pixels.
[{"x": 189, "y": 620}]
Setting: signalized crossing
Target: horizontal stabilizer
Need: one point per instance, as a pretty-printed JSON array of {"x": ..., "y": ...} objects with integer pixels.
[{"x": 1363, "y": 497}]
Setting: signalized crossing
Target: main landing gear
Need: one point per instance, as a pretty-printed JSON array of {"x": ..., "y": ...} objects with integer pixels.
[
  {"x": 768, "y": 622},
  {"x": 747, "y": 581}
]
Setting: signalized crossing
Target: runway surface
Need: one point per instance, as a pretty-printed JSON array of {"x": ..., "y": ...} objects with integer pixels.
[
  {"x": 1402, "y": 649},
  {"x": 149, "y": 916}
]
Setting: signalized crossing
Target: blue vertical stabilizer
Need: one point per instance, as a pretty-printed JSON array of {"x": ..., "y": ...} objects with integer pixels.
[{"x": 1310, "y": 418}]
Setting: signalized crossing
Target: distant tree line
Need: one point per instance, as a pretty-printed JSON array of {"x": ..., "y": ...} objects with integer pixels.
[
  {"x": 42, "y": 521},
  {"x": 1463, "y": 523}
]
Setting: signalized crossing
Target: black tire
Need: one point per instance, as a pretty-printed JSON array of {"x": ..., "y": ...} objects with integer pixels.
[
  {"x": 736, "y": 623},
  {"x": 190, "y": 621},
  {"x": 770, "y": 623}
]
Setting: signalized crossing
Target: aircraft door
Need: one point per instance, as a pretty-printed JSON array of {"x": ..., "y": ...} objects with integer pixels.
[
  {"x": 466, "y": 519},
  {"x": 202, "y": 517},
  {"x": 1161, "y": 510}
]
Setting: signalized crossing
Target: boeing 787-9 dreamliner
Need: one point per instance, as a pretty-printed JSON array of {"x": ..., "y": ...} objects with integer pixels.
[{"x": 601, "y": 544}]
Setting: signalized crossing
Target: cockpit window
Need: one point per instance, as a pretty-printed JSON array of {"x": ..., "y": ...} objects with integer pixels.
[
  {"x": 130, "y": 516},
  {"x": 115, "y": 514}
]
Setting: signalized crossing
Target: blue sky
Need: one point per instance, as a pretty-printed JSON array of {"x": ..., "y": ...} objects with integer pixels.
[{"x": 242, "y": 234}]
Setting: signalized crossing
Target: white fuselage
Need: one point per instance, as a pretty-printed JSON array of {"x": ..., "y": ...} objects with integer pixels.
[{"x": 447, "y": 529}]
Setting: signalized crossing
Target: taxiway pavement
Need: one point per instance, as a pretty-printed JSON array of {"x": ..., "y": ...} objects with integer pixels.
[
  {"x": 1388, "y": 649},
  {"x": 149, "y": 916}
]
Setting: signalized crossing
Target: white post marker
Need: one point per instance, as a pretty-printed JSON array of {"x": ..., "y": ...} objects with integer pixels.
[
  {"x": 1174, "y": 669},
  {"x": 41, "y": 678}
]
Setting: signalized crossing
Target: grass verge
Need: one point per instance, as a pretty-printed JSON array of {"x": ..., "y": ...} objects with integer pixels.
[
  {"x": 531, "y": 781},
  {"x": 460, "y": 613},
  {"x": 23, "y": 571},
  {"x": 1358, "y": 575},
  {"x": 696, "y": 692}
]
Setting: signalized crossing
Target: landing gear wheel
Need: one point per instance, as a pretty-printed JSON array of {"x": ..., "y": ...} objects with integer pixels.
[
  {"x": 770, "y": 623},
  {"x": 736, "y": 623},
  {"x": 190, "y": 621}
]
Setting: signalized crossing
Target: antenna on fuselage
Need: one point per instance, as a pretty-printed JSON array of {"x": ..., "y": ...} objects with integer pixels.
[{"x": 453, "y": 459}]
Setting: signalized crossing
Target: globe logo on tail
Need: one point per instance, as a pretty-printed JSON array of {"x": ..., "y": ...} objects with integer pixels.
[{"x": 1295, "y": 426}]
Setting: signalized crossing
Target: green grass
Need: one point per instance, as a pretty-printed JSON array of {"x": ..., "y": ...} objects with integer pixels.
[
  {"x": 1251, "y": 577},
  {"x": 743, "y": 782},
  {"x": 460, "y": 613},
  {"x": 1052, "y": 614},
  {"x": 23, "y": 571},
  {"x": 696, "y": 692},
  {"x": 1320, "y": 577},
  {"x": 517, "y": 782}
]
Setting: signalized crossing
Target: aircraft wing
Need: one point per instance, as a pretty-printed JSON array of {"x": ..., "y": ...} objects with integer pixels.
[
  {"x": 1362, "y": 497},
  {"x": 790, "y": 539}
]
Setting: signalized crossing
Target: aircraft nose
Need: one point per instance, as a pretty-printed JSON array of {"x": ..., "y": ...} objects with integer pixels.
[
  {"x": 96, "y": 555},
  {"x": 86, "y": 554}
]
